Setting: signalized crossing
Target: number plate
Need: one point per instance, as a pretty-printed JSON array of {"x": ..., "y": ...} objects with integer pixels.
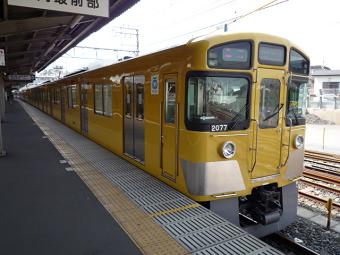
[{"x": 219, "y": 128}]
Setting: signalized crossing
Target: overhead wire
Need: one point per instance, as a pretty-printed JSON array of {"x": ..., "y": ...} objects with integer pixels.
[
  {"x": 227, "y": 21},
  {"x": 201, "y": 12}
]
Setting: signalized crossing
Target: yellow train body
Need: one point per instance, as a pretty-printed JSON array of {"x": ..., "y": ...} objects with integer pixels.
[{"x": 172, "y": 151}]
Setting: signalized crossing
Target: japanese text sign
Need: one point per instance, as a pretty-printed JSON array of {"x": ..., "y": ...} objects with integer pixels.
[
  {"x": 2, "y": 57},
  {"x": 86, "y": 7}
]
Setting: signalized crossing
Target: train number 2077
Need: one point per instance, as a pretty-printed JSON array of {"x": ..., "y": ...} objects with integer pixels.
[{"x": 218, "y": 128}]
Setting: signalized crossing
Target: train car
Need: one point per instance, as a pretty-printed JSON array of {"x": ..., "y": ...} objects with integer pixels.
[{"x": 221, "y": 119}]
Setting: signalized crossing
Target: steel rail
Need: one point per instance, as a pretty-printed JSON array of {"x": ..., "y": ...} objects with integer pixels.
[
  {"x": 293, "y": 247},
  {"x": 323, "y": 156},
  {"x": 322, "y": 162},
  {"x": 322, "y": 186},
  {"x": 319, "y": 199},
  {"x": 321, "y": 176},
  {"x": 325, "y": 170}
]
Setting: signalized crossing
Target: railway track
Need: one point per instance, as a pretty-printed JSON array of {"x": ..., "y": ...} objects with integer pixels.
[
  {"x": 318, "y": 199},
  {"x": 326, "y": 163},
  {"x": 288, "y": 245},
  {"x": 324, "y": 168},
  {"x": 323, "y": 156},
  {"x": 315, "y": 174},
  {"x": 321, "y": 186}
]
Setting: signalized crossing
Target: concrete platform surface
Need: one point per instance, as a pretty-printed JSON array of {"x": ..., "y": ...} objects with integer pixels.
[
  {"x": 157, "y": 218},
  {"x": 44, "y": 208}
]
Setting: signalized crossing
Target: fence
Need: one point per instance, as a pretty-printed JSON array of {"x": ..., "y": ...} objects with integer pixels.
[
  {"x": 323, "y": 138},
  {"x": 324, "y": 102}
]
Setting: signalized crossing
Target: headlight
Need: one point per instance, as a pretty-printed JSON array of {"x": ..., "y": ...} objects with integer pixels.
[
  {"x": 228, "y": 149},
  {"x": 298, "y": 142}
]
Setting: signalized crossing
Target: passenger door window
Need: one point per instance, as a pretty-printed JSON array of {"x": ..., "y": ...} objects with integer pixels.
[
  {"x": 170, "y": 99},
  {"x": 128, "y": 82},
  {"x": 269, "y": 103},
  {"x": 139, "y": 85}
]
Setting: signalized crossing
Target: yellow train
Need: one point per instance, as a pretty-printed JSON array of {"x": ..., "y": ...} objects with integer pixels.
[{"x": 221, "y": 119}]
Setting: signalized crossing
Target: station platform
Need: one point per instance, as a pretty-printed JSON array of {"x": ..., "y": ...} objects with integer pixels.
[{"x": 61, "y": 193}]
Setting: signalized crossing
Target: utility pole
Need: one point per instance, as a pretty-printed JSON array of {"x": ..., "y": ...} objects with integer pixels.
[{"x": 130, "y": 33}]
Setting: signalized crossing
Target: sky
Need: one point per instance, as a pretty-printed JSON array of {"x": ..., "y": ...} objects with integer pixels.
[{"x": 313, "y": 25}]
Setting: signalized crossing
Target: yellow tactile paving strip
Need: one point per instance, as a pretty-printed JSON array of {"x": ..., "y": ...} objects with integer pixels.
[{"x": 139, "y": 226}]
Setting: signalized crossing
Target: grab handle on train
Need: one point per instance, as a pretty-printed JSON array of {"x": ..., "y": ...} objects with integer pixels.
[
  {"x": 252, "y": 148},
  {"x": 288, "y": 144}
]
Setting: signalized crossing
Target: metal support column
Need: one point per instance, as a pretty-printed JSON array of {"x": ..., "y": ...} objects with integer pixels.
[{"x": 2, "y": 115}]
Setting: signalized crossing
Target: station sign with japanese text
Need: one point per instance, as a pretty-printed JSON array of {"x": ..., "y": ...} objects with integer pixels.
[
  {"x": 20, "y": 77},
  {"x": 2, "y": 57},
  {"x": 85, "y": 7}
]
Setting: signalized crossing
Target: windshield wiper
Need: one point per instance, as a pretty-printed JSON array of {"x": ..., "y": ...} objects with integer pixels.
[{"x": 275, "y": 113}]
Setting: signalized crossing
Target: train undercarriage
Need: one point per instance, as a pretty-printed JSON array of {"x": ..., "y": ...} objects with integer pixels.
[{"x": 268, "y": 209}]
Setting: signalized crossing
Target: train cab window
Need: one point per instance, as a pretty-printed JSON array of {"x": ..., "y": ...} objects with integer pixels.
[
  {"x": 234, "y": 55},
  {"x": 103, "y": 99},
  {"x": 72, "y": 96},
  {"x": 272, "y": 54},
  {"x": 298, "y": 63},
  {"x": 269, "y": 107},
  {"x": 170, "y": 101},
  {"x": 217, "y": 103},
  {"x": 296, "y": 101}
]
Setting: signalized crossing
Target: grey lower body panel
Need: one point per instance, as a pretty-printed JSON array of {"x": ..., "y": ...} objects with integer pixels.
[{"x": 228, "y": 209}]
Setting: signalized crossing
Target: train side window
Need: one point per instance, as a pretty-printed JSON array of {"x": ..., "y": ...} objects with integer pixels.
[
  {"x": 57, "y": 95},
  {"x": 69, "y": 97},
  {"x": 54, "y": 95},
  {"x": 170, "y": 101},
  {"x": 107, "y": 99},
  {"x": 74, "y": 95},
  {"x": 98, "y": 98},
  {"x": 269, "y": 103},
  {"x": 103, "y": 99}
]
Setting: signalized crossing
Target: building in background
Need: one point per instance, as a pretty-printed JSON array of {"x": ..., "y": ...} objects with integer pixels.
[
  {"x": 325, "y": 81},
  {"x": 323, "y": 97}
]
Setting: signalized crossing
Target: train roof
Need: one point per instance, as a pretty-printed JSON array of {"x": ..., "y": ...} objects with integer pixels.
[{"x": 208, "y": 41}]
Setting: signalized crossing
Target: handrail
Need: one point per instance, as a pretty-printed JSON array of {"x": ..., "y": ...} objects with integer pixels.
[
  {"x": 255, "y": 149},
  {"x": 288, "y": 144},
  {"x": 161, "y": 136}
]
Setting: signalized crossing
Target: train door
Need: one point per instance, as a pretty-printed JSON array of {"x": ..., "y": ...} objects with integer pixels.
[
  {"x": 134, "y": 117},
  {"x": 62, "y": 104},
  {"x": 169, "y": 130},
  {"x": 268, "y": 107},
  {"x": 83, "y": 109}
]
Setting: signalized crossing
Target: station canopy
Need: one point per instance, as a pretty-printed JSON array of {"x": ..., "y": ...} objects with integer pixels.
[{"x": 34, "y": 38}]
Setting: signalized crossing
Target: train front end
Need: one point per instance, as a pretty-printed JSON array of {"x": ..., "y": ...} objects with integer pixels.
[{"x": 242, "y": 147}]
